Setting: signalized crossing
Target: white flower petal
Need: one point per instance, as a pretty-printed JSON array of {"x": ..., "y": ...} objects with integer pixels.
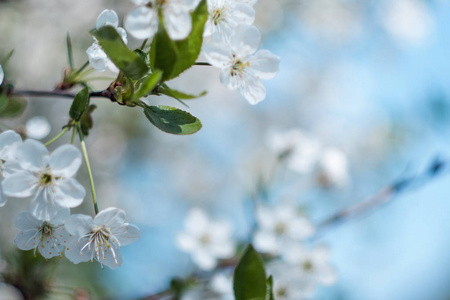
[
  {"x": 107, "y": 17},
  {"x": 243, "y": 13},
  {"x": 73, "y": 251},
  {"x": 32, "y": 155},
  {"x": 231, "y": 82},
  {"x": 27, "y": 240},
  {"x": 217, "y": 53},
  {"x": 25, "y": 220},
  {"x": 110, "y": 217},
  {"x": 97, "y": 57},
  {"x": 43, "y": 205},
  {"x": 127, "y": 234},
  {"x": 9, "y": 140},
  {"x": 61, "y": 215},
  {"x": 189, "y": 4},
  {"x": 113, "y": 257},
  {"x": 21, "y": 184},
  {"x": 204, "y": 260},
  {"x": 197, "y": 222},
  {"x": 225, "y": 249},
  {"x": 69, "y": 193},
  {"x": 142, "y": 22},
  {"x": 140, "y": 2},
  {"x": 65, "y": 161},
  {"x": 123, "y": 34},
  {"x": 264, "y": 64},
  {"x": 326, "y": 275},
  {"x": 253, "y": 90},
  {"x": 265, "y": 241},
  {"x": 79, "y": 225},
  {"x": 178, "y": 22},
  {"x": 245, "y": 41},
  {"x": 2, "y": 75},
  {"x": 187, "y": 242}
]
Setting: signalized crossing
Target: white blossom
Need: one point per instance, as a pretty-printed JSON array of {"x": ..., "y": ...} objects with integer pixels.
[
  {"x": 9, "y": 141},
  {"x": 37, "y": 127},
  {"x": 242, "y": 67},
  {"x": 310, "y": 267},
  {"x": 100, "y": 238},
  {"x": 143, "y": 21},
  {"x": 2, "y": 75},
  {"x": 225, "y": 15},
  {"x": 222, "y": 285},
  {"x": 280, "y": 227},
  {"x": 48, "y": 236},
  {"x": 46, "y": 177},
  {"x": 333, "y": 168},
  {"x": 97, "y": 57},
  {"x": 408, "y": 21},
  {"x": 206, "y": 240},
  {"x": 287, "y": 284},
  {"x": 299, "y": 151}
]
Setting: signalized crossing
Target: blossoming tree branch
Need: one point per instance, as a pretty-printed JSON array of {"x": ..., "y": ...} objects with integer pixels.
[{"x": 174, "y": 34}]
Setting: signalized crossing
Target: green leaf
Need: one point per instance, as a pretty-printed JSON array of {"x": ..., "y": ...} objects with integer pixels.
[
  {"x": 270, "y": 295},
  {"x": 128, "y": 61},
  {"x": 147, "y": 84},
  {"x": 14, "y": 108},
  {"x": 79, "y": 104},
  {"x": 86, "y": 121},
  {"x": 175, "y": 57},
  {"x": 172, "y": 120},
  {"x": 69, "y": 50},
  {"x": 177, "y": 94},
  {"x": 250, "y": 277},
  {"x": 192, "y": 45},
  {"x": 3, "y": 102},
  {"x": 163, "y": 53}
]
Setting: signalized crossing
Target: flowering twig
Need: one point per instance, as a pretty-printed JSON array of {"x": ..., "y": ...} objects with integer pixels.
[
  {"x": 33, "y": 93},
  {"x": 382, "y": 197}
]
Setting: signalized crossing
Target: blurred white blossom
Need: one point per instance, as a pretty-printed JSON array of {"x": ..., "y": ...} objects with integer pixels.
[
  {"x": 206, "y": 240},
  {"x": 48, "y": 236},
  {"x": 242, "y": 67},
  {"x": 408, "y": 21},
  {"x": 9, "y": 141},
  {"x": 9, "y": 292},
  {"x": 46, "y": 177},
  {"x": 142, "y": 22},
  {"x": 298, "y": 150},
  {"x": 333, "y": 168},
  {"x": 280, "y": 227},
  {"x": 225, "y": 16},
  {"x": 97, "y": 57},
  {"x": 37, "y": 127},
  {"x": 222, "y": 285},
  {"x": 100, "y": 238}
]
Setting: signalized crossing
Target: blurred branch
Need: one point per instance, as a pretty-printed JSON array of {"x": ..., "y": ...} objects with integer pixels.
[
  {"x": 59, "y": 94},
  {"x": 386, "y": 195}
]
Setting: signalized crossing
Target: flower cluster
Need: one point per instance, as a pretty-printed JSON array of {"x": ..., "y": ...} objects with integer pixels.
[
  {"x": 230, "y": 40},
  {"x": 28, "y": 170},
  {"x": 305, "y": 155},
  {"x": 97, "y": 57}
]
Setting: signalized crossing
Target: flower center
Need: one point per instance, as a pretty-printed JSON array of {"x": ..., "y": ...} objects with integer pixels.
[
  {"x": 46, "y": 230},
  {"x": 46, "y": 178},
  {"x": 99, "y": 242},
  {"x": 282, "y": 292},
  {"x": 307, "y": 265},
  {"x": 205, "y": 239},
  {"x": 280, "y": 228},
  {"x": 238, "y": 66},
  {"x": 217, "y": 15}
]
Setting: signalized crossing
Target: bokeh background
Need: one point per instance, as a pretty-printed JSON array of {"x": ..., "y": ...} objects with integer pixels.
[{"x": 371, "y": 78}]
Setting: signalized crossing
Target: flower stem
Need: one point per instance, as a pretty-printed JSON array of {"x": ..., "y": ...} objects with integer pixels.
[
  {"x": 88, "y": 166},
  {"x": 73, "y": 134},
  {"x": 57, "y": 137}
]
